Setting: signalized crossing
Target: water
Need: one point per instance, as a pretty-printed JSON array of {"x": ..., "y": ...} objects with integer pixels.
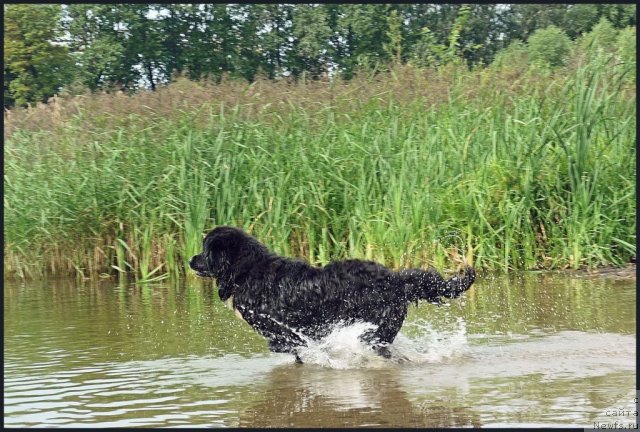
[{"x": 537, "y": 350}]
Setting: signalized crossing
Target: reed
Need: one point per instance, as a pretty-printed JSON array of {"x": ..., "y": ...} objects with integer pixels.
[{"x": 537, "y": 173}]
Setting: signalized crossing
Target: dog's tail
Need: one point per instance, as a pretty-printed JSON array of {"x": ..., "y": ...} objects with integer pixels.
[{"x": 430, "y": 285}]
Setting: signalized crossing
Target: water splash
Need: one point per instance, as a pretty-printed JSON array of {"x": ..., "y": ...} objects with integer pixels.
[
  {"x": 343, "y": 349},
  {"x": 430, "y": 344}
]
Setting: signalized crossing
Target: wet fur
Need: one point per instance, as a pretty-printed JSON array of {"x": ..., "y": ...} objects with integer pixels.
[{"x": 287, "y": 300}]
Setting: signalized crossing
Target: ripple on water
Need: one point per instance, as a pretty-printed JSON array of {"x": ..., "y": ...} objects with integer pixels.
[{"x": 502, "y": 362}]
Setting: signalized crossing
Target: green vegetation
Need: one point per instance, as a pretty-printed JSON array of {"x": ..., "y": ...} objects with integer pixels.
[
  {"x": 34, "y": 68},
  {"x": 513, "y": 166},
  {"x": 549, "y": 46},
  {"x": 412, "y": 153},
  {"x": 132, "y": 46}
]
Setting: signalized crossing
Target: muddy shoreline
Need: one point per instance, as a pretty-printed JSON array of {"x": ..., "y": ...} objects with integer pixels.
[{"x": 626, "y": 272}]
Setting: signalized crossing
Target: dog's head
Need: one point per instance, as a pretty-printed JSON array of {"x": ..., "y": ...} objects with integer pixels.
[{"x": 227, "y": 251}]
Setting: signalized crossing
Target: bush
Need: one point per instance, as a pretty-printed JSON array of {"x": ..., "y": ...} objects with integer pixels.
[
  {"x": 549, "y": 46},
  {"x": 601, "y": 38},
  {"x": 511, "y": 57}
]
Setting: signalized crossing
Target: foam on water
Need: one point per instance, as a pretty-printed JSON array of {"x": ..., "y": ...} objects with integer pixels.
[
  {"x": 343, "y": 349},
  {"x": 431, "y": 345}
]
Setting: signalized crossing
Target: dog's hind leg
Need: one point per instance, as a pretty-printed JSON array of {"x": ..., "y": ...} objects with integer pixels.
[
  {"x": 382, "y": 351},
  {"x": 376, "y": 340},
  {"x": 381, "y": 337}
]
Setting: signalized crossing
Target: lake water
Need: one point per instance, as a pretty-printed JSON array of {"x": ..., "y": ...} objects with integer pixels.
[{"x": 526, "y": 350}]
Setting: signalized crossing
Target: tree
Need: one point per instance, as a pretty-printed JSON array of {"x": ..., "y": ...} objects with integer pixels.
[
  {"x": 107, "y": 46},
  {"x": 455, "y": 47},
  {"x": 580, "y": 19},
  {"x": 429, "y": 52},
  {"x": 35, "y": 67},
  {"x": 96, "y": 44},
  {"x": 364, "y": 28},
  {"x": 483, "y": 34},
  {"x": 394, "y": 34},
  {"x": 531, "y": 17},
  {"x": 426, "y": 51},
  {"x": 176, "y": 27},
  {"x": 416, "y": 18},
  {"x": 438, "y": 18},
  {"x": 310, "y": 49},
  {"x": 141, "y": 45},
  {"x": 275, "y": 34},
  {"x": 211, "y": 42},
  {"x": 144, "y": 43},
  {"x": 620, "y": 15},
  {"x": 549, "y": 46}
]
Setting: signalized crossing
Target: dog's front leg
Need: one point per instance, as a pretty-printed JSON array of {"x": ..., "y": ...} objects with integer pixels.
[
  {"x": 278, "y": 347},
  {"x": 382, "y": 351}
]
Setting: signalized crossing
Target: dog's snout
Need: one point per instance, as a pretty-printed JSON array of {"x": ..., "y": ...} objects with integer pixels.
[{"x": 192, "y": 261}]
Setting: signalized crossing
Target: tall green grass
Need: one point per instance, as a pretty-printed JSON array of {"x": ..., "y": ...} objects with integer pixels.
[{"x": 538, "y": 173}]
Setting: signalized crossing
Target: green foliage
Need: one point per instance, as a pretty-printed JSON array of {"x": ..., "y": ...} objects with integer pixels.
[
  {"x": 626, "y": 44},
  {"x": 528, "y": 18},
  {"x": 602, "y": 38},
  {"x": 427, "y": 52},
  {"x": 549, "y": 47},
  {"x": 311, "y": 31},
  {"x": 96, "y": 63},
  {"x": 483, "y": 34},
  {"x": 621, "y": 15},
  {"x": 34, "y": 67},
  {"x": 394, "y": 34},
  {"x": 580, "y": 18},
  {"x": 515, "y": 55},
  {"x": 543, "y": 176},
  {"x": 274, "y": 26},
  {"x": 132, "y": 46},
  {"x": 364, "y": 30},
  {"x": 454, "y": 36},
  {"x": 98, "y": 48}
]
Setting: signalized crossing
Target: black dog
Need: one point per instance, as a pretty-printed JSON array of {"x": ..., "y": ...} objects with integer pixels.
[{"x": 288, "y": 301}]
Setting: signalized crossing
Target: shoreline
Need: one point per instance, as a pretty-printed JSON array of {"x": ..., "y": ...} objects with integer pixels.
[
  {"x": 626, "y": 272},
  {"x": 619, "y": 273}
]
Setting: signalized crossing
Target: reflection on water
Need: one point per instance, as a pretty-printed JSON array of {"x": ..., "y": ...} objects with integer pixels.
[
  {"x": 527, "y": 351},
  {"x": 319, "y": 397}
]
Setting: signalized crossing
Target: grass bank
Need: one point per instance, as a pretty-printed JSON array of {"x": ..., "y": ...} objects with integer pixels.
[{"x": 512, "y": 168}]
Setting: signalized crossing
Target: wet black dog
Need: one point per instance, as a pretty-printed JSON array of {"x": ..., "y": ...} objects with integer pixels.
[{"x": 288, "y": 301}]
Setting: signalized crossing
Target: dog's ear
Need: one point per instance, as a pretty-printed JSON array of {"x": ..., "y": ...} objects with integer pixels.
[
  {"x": 227, "y": 245},
  {"x": 220, "y": 247}
]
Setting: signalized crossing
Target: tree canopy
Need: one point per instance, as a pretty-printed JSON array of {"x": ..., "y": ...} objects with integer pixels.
[{"x": 133, "y": 46}]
